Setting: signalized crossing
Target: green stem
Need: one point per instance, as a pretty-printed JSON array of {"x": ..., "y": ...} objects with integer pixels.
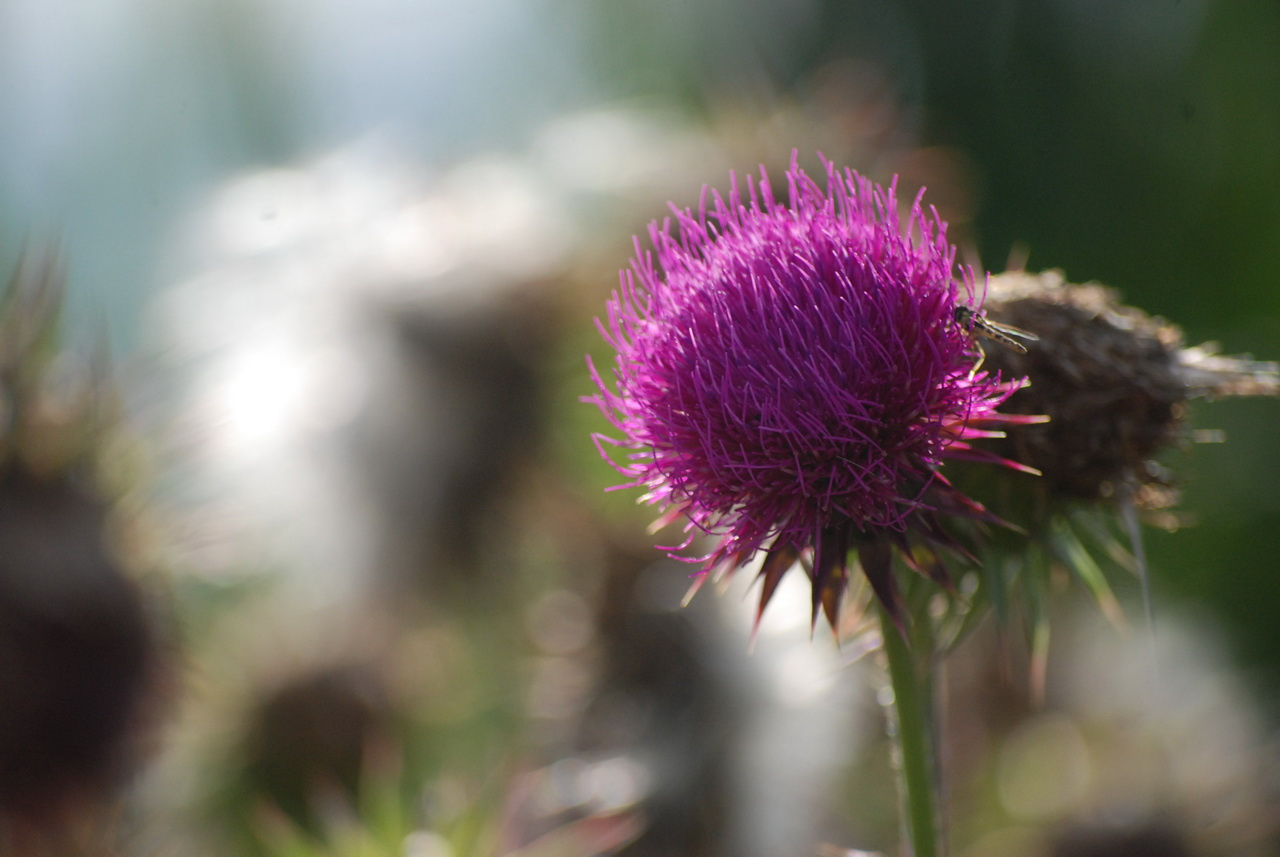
[{"x": 912, "y": 704}]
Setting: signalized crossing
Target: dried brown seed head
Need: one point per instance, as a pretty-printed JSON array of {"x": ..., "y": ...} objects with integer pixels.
[{"x": 1113, "y": 380}]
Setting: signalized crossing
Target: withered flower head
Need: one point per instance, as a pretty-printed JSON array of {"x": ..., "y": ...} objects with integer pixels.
[
  {"x": 1116, "y": 384},
  {"x": 1114, "y": 381}
]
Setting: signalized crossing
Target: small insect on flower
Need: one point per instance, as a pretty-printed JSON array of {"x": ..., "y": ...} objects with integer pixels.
[{"x": 979, "y": 325}]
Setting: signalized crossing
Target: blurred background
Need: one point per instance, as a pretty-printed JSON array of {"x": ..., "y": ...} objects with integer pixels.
[{"x": 345, "y": 259}]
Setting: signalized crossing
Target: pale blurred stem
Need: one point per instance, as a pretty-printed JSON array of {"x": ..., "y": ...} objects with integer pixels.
[{"x": 912, "y": 712}]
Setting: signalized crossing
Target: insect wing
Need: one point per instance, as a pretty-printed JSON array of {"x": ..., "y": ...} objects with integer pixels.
[{"x": 1008, "y": 330}]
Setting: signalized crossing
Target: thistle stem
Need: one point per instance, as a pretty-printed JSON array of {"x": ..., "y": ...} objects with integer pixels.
[{"x": 911, "y": 712}]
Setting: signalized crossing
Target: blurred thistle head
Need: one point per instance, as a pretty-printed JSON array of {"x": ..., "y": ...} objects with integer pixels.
[
  {"x": 1115, "y": 383},
  {"x": 76, "y": 646},
  {"x": 791, "y": 375},
  {"x": 314, "y": 737}
]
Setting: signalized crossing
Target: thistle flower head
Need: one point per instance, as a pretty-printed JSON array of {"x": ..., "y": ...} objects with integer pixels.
[{"x": 790, "y": 375}]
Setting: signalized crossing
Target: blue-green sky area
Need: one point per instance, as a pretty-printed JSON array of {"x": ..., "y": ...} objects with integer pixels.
[
  {"x": 119, "y": 117},
  {"x": 1136, "y": 142}
]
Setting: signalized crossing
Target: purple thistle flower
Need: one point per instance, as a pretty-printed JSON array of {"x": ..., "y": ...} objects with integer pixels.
[{"x": 790, "y": 376}]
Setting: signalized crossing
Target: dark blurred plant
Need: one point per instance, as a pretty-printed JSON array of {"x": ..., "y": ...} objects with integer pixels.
[{"x": 78, "y": 654}]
